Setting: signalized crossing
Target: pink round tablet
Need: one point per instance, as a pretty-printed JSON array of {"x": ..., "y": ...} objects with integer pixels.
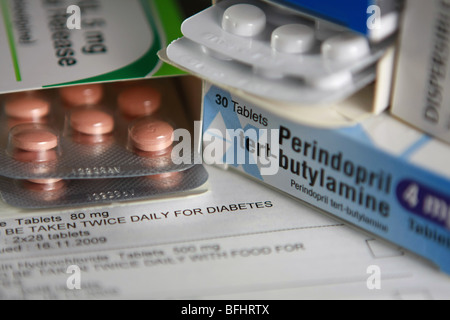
[
  {"x": 92, "y": 140},
  {"x": 91, "y": 122},
  {"x": 157, "y": 159},
  {"x": 166, "y": 180},
  {"x": 36, "y": 157},
  {"x": 33, "y": 138},
  {"x": 45, "y": 181},
  {"x": 46, "y": 185},
  {"x": 151, "y": 135},
  {"x": 12, "y": 122},
  {"x": 20, "y": 94},
  {"x": 27, "y": 107},
  {"x": 82, "y": 94},
  {"x": 139, "y": 101}
]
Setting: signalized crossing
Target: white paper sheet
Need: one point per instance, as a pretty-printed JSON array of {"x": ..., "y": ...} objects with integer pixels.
[{"x": 240, "y": 240}]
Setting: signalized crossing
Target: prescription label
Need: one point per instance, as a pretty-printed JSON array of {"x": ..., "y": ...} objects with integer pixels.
[{"x": 54, "y": 43}]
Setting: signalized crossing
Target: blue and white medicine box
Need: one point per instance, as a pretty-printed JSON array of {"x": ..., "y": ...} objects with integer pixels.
[{"x": 378, "y": 174}]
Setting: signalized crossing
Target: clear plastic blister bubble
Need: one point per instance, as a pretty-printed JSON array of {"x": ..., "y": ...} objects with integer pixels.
[
  {"x": 86, "y": 131},
  {"x": 275, "y": 53},
  {"x": 54, "y": 193}
]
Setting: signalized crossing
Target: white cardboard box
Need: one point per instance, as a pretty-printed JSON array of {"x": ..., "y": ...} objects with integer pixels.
[{"x": 422, "y": 84}]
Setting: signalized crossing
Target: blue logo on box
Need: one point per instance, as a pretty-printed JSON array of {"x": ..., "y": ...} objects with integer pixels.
[{"x": 425, "y": 202}]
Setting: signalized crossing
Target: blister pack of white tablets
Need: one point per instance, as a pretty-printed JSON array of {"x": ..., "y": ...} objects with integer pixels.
[
  {"x": 41, "y": 194},
  {"x": 123, "y": 129},
  {"x": 262, "y": 49}
]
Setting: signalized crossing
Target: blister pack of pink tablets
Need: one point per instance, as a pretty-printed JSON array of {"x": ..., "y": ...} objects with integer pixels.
[
  {"x": 123, "y": 129},
  {"x": 97, "y": 143},
  {"x": 275, "y": 53},
  {"x": 56, "y": 193}
]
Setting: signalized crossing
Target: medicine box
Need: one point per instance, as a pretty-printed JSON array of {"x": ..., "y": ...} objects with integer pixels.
[
  {"x": 379, "y": 175},
  {"x": 48, "y": 44},
  {"x": 422, "y": 84}
]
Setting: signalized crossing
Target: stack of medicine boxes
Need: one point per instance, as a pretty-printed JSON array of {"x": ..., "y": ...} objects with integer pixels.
[{"x": 296, "y": 95}]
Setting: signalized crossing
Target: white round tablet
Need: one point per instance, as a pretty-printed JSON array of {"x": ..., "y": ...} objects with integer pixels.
[
  {"x": 345, "y": 47},
  {"x": 332, "y": 82},
  {"x": 293, "y": 38},
  {"x": 244, "y": 20}
]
